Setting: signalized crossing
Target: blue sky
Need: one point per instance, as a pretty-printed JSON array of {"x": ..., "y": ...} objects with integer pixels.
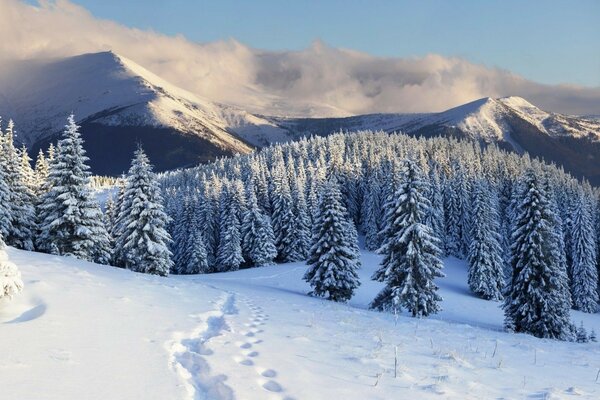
[{"x": 546, "y": 41}]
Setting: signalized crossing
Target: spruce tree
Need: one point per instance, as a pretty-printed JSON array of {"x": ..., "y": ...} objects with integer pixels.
[
  {"x": 142, "y": 240},
  {"x": 373, "y": 218},
  {"x": 41, "y": 170},
  {"x": 283, "y": 219},
  {"x": 22, "y": 212},
  {"x": 258, "y": 240},
  {"x": 486, "y": 266},
  {"x": 334, "y": 257},
  {"x": 585, "y": 272},
  {"x": 537, "y": 300},
  {"x": 71, "y": 222},
  {"x": 410, "y": 251},
  {"x": 198, "y": 259},
  {"x": 5, "y": 207},
  {"x": 229, "y": 254}
]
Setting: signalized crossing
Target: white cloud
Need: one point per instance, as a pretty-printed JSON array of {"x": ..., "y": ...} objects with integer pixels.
[{"x": 318, "y": 80}]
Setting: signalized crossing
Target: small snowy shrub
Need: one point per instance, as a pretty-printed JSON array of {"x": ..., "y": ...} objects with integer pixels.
[{"x": 10, "y": 277}]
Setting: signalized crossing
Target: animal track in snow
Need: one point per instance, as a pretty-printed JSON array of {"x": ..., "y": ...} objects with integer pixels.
[{"x": 189, "y": 349}]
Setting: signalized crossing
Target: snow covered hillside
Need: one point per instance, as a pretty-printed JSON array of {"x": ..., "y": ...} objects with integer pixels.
[
  {"x": 119, "y": 103},
  {"x": 81, "y": 330}
]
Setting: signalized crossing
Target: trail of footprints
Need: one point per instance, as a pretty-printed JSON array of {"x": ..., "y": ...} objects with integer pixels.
[{"x": 250, "y": 346}]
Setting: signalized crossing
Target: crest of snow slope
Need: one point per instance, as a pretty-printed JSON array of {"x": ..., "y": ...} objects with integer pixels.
[
  {"x": 552, "y": 124},
  {"x": 254, "y": 334},
  {"x": 112, "y": 90}
]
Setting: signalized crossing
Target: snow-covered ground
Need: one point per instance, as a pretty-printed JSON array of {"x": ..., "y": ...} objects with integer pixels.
[{"x": 85, "y": 331}]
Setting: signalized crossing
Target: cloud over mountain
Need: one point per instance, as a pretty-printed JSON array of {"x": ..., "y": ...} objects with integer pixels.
[{"x": 319, "y": 80}]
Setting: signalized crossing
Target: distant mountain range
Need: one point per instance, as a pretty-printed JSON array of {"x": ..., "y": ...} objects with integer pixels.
[{"x": 119, "y": 104}]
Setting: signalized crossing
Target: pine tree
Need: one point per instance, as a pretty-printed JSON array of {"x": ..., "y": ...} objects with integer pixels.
[
  {"x": 334, "y": 257},
  {"x": 486, "y": 276},
  {"x": 373, "y": 218},
  {"x": 41, "y": 171},
  {"x": 582, "y": 336},
  {"x": 537, "y": 300},
  {"x": 593, "y": 337},
  {"x": 27, "y": 173},
  {"x": 258, "y": 240},
  {"x": 198, "y": 259},
  {"x": 10, "y": 277},
  {"x": 435, "y": 217},
  {"x": 22, "y": 211},
  {"x": 411, "y": 255},
  {"x": 142, "y": 240},
  {"x": 71, "y": 221},
  {"x": 5, "y": 207},
  {"x": 585, "y": 272},
  {"x": 229, "y": 255},
  {"x": 283, "y": 219}
]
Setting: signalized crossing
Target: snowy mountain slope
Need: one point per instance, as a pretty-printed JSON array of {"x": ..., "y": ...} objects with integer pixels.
[
  {"x": 124, "y": 103},
  {"x": 254, "y": 334},
  {"x": 119, "y": 103},
  {"x": 511, "y": 122}
]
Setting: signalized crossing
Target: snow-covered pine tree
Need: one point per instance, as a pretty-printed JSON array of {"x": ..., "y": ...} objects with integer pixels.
[
  {"x": 486, "y": 266},
  {"x": 208, "y": 219},
  {"x": 582, "y": 336},
  {"x": 452, "y": 216},
  {"x": 537, "y": 298},
  {"x": 198, "y": 259},
  {"x": 301, "y": 220},
  {"x": 22, "y": 211},
  {"x": 10, "y": 277},
  {"x": 181, "y": 234},
  {"x": 41, "y": 171},
  {"x": 70, "y": 218},
  {"x": 27, "y": 173},
  {"x": 229, "y": 254},
  {"x": 283, "y": 218},
  {"x": 585, "y": 272},
  {"x": 373, "y": 210},
  {"x": 5, "y": 206},
  {"x": 194, "y": 258},
  {"x": 435, "y": 218},
  {"x": 410, "y": 251},
  {"x": 142, "y": 240},
  {"x": 258, "y": 240},
  {"x": 334, "y": 256}
]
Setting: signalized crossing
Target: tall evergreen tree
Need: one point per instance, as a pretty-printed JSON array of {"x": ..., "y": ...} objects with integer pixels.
[
  {"x": 5, "y": 208},
  {"x": 486, "y": 266},
  {"x": 71, "y": 221},
  {"x": 41, "y": 170},
  {"x": 283, "y": 219},
  {"x": 334, "y": 256},
  {"x": 373, "y": 209},
  {"x": 229, "y": 255},
  {"x": 410, "y": 251},
  {"x": 258, "y": 240},
  {"x": 142, "y": 241},
  {"x": 537, "y": 300},
  {"x": 22, "y": 212},
  {"x": 585, "y": 272}
]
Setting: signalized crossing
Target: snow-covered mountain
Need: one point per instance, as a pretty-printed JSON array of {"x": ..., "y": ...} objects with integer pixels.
[
  {"x": 119, "y": 104},
  {"x": 511, "y": 122}
]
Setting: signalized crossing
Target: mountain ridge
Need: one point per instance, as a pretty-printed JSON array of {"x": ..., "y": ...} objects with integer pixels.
[{"x": 120, "y": 104}]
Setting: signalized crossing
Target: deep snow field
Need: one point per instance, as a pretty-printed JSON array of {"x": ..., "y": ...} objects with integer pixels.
[{"x": 85, "y": 331}]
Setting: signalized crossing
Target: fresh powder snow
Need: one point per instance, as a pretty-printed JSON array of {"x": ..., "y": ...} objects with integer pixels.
[{"x": 81, "y": 330}]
